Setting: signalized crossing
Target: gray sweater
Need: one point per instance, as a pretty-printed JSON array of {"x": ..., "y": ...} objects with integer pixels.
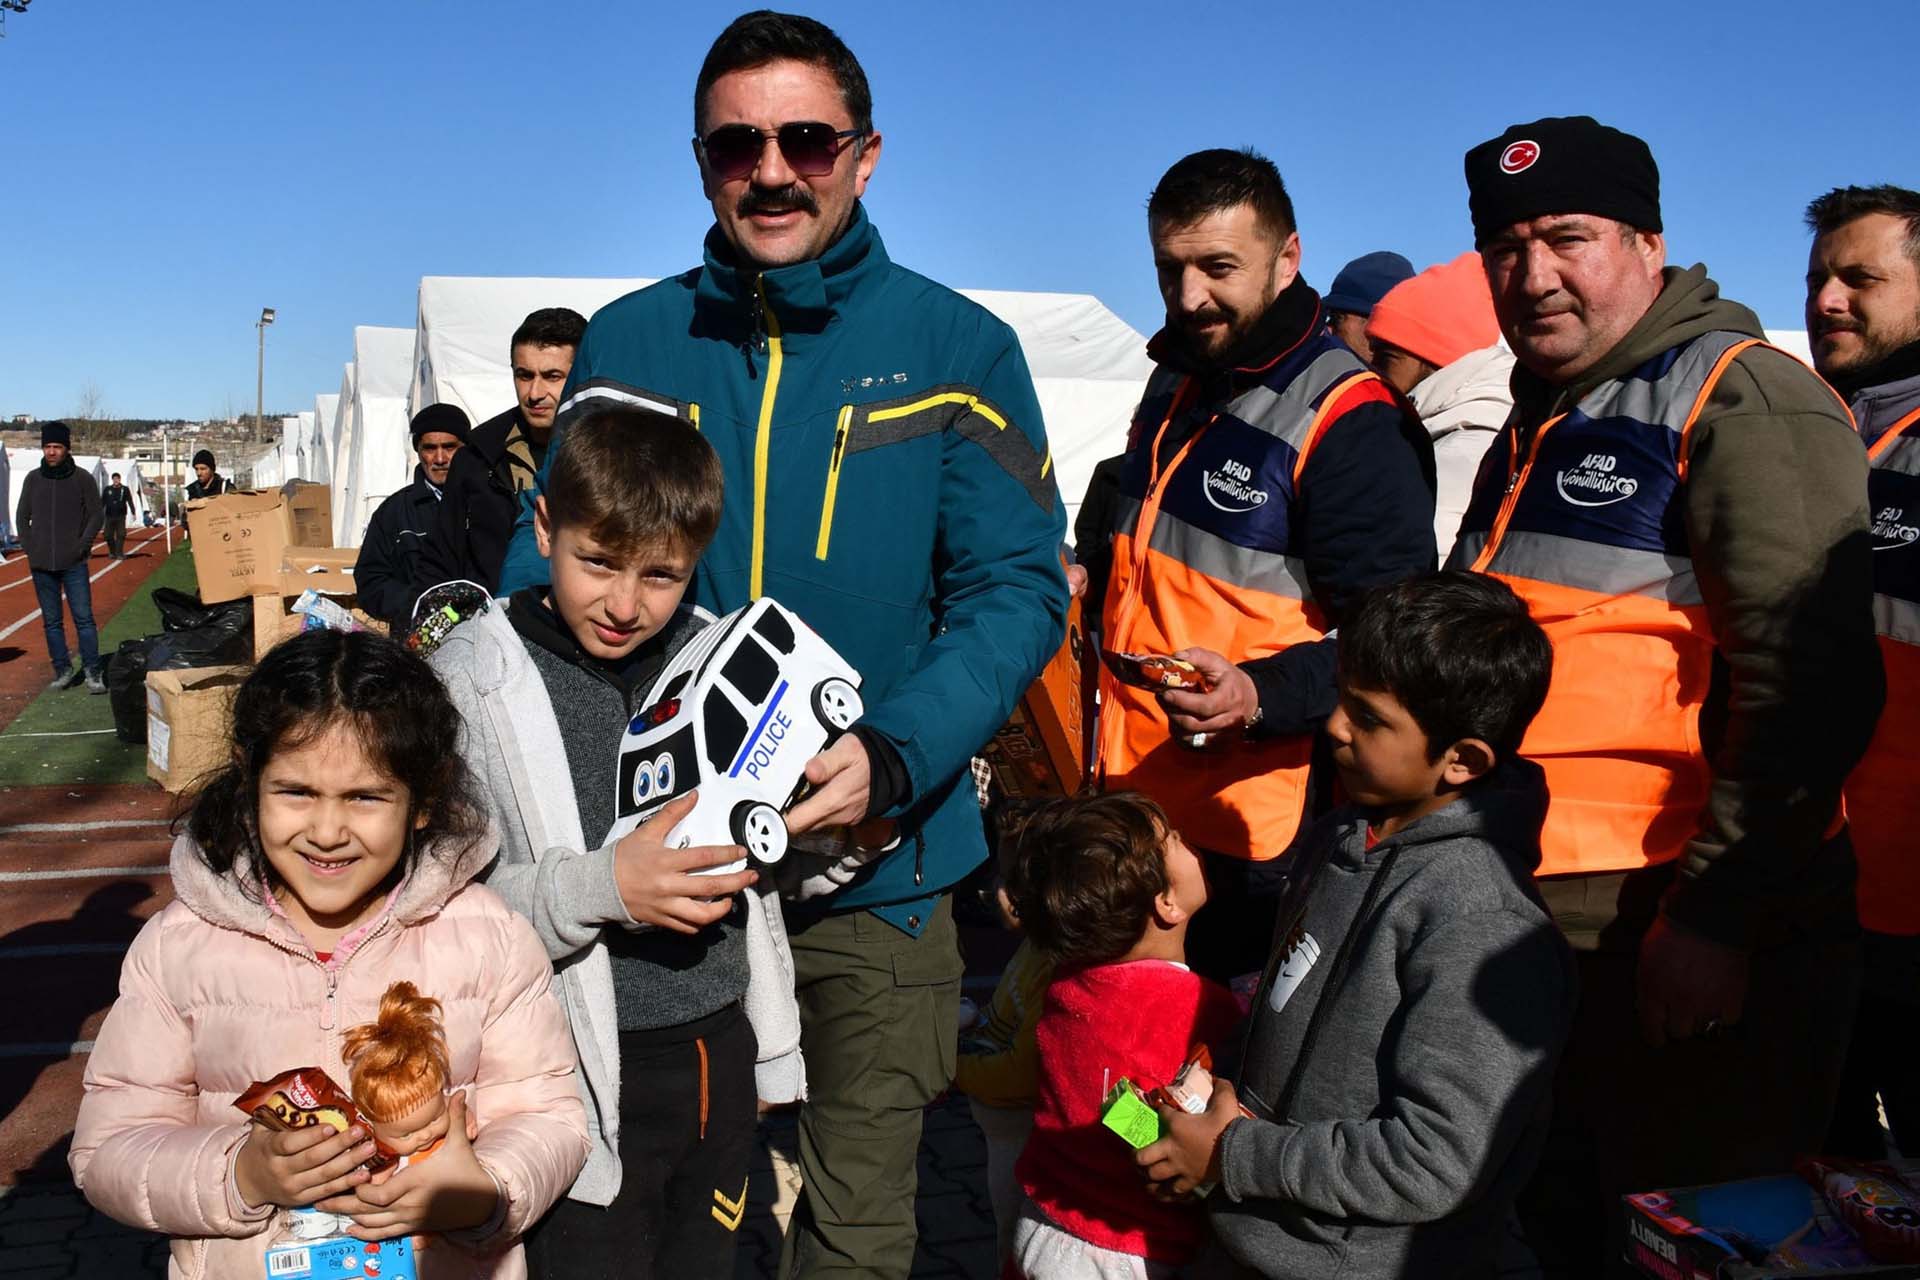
[{"x": 1422, "y": 1102}]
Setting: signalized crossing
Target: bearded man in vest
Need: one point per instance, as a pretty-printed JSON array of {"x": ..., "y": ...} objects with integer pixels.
[
  {"x": 1863, "y": 321},
  {"x": 1270, "y": 479},
  {"x": 1683, "y": 509}
]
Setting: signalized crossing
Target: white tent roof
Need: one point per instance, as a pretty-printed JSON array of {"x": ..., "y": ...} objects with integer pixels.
[
  {"x": 380, "y": 459},
  {"x": 1088, "y": 364},
  {"x": 342, "y": 443}
]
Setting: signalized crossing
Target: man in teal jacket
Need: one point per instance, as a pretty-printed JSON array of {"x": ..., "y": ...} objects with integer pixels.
[{"x": 888, "y": 479}]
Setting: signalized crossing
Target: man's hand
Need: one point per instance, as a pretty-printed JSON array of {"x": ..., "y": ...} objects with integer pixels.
[
  {"x": 1689, "y": 985},
  {"x": 448, "y": 1191},
  {"x": 291, "y": 1167},
  {"x": 1076, "y": 581},
  {"x": 1228, "y": 701},
  {"x": 1190, "y": 1153},
  {"x": 657, "y": 884},
  {"x": 842, "y": 781}
]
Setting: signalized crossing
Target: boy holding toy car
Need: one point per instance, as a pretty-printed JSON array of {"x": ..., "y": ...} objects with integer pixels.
[{"x": 654, "y": 959}]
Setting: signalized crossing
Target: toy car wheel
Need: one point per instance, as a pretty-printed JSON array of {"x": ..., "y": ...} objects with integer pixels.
[
  {"x": 837, "y": 703},
  {"x": 759, "y": 826}
]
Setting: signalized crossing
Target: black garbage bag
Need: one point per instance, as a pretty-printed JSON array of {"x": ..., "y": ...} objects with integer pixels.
[
  {"x": 127, "y": 689},
  {"x": 201, "y": 635}
]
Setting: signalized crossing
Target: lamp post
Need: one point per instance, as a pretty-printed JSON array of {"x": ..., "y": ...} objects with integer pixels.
[{"x": 260, "y": 377}]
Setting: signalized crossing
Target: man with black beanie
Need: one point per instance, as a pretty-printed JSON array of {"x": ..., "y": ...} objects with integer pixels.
[
  {"x": 1683, "y": 508},
  {"x": 57, "y": 521},
  {"x": 383, "y": 576},
  {"x": 207, "y": 480}
]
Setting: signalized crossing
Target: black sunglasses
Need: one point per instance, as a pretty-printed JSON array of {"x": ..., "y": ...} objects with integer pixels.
[{"x": 811, "y": 148}]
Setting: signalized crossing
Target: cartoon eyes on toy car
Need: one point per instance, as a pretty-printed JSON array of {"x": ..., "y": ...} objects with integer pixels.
[
  {"x": 653, "y": 779},
  {"x": 663, "y": 773}
]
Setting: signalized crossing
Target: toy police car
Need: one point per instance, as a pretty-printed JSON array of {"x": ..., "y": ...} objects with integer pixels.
[{"x": 737, "y": 714}]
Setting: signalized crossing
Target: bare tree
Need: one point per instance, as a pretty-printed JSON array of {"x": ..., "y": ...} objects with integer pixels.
[{"x": 93, "y": 403}]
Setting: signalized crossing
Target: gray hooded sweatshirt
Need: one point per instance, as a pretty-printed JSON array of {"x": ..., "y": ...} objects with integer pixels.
[{"x": 1421, "y": 1101}]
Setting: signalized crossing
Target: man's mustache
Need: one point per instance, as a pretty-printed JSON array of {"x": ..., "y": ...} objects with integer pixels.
[{"x": 776, "y": 200}]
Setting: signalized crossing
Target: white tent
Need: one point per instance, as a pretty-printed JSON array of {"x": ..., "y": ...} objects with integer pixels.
[
  {"x": 1794, "y": 340},
  {"x": 9, "y": 493},
  {"x": 319, "y": 439},
  {"x": 341, "y": 443},
  {"x": 1088, "y": 364},
  {"x": 380, "y": 461}
]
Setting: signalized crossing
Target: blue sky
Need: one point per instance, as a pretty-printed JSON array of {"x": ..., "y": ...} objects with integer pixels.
[{"x": 168, "y": 169}]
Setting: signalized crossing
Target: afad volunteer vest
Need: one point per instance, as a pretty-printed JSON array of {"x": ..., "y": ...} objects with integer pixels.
[
  {"x": 1589, "y": 528},
  {"x": 1883, "y": 795},
  {"x": 1205, "y": 556}
]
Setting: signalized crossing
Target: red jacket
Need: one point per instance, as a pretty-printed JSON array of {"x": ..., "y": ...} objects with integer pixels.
[{"x": 1136, "y": 1020}]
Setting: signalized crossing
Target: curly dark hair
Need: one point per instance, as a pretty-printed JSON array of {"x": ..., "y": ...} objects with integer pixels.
[
  {"x": 1083, "y": 874},
  {"x": 304, "y": 687}
]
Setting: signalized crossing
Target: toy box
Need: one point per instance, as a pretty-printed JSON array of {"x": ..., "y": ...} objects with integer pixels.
[
  {"x": 341, "y": 1258},
  {"x": 1042, "y": 749},
  {"x": 1726, "y": 1231},
  {"x": 737, "y": 713}
]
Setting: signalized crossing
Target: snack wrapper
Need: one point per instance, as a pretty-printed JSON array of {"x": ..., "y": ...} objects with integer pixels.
[
  {"x": 1191, "y": 1088},
  {"x": 1879, "y": 1206},
  {"x": 304, "y": 1097},
  {"x": 1153, "y": 671}
]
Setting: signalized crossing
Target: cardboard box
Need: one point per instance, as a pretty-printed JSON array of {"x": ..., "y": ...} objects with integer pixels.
[
  {"x": 1689, "y": 1233},
  {"x": 189, "y": 723},
  {"x": 328, "y": 570},
  {"x": 1042, "y": 749},
  {"x": 240, "y": 539}
]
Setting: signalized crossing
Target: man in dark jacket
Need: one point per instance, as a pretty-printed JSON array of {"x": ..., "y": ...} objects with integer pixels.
[
  {"x": 1270, "y": 478},
  {"x": 1684, "y": 510},
  {"x": 481, "y": 498},
  {"x": 1863, "y": 322},
  {"x": 384, "y": 575},
  {"x": 207, "y": 482},
  {"x": 116, "y": 500},
  {"x": 57, "y": 520}
]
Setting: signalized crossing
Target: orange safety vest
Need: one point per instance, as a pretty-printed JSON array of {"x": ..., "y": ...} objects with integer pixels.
[
  {"x": 1589, "y": 528},
  {"x": 1204, "y": 557},
  {"x": 1883, "y": 794}
]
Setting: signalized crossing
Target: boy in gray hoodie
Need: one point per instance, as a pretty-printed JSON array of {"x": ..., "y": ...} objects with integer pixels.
[{"x": 1399, "y": 1061}]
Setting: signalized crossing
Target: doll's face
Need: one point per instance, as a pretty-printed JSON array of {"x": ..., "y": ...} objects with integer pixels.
[{"x": 419, "y": 1129}]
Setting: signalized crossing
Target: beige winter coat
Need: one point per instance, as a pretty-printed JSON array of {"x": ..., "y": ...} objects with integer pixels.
[{"x": 219, "y": 991}]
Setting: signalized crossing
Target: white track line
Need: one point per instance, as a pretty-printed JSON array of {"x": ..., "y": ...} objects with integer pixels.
[
  {"x": 79, "y": 873},
  {"x": 111, "y": 566},
  {"x": 46, "y": 1049},
  {"x": 20, "y": 558},
  {"x": 37, "y": 828},
  {"x": 62, "y": 733}
]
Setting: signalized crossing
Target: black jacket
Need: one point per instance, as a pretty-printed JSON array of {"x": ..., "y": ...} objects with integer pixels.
[
  {"x": 213, "y": 488},
  {"x": 477, "y": 510},
  {"x": 383, "y": 576},
  {"x": 116, "y": 502},
  {"x": 58, "y": 516},
  {"x": 1366, "y": 518}
]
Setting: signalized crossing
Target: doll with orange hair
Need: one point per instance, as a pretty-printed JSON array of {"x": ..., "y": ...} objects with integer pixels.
[{"x": 398, "y": 1075}]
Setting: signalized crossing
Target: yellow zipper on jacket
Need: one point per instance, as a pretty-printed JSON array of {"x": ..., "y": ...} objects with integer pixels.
[
  {"x": 761, "y": 442},
  {"x": 840, "y": 430}
]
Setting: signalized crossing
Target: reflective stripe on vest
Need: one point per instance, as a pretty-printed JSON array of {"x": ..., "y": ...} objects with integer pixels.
[
  {"x": 1883, "y": 793},
  {"x": 1589, "y": 529},
  {"x": 1203, "y": 557}
]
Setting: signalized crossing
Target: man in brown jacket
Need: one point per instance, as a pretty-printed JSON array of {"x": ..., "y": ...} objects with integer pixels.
[{"x": 1683, "y": 508}]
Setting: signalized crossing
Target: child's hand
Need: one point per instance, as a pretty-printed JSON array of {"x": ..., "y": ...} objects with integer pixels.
[
  {"x": 657, "y": 884},
  {"x": 448, "y": 1192},
  {"x": 1190, "y": 1153},
  {"x": 291, "y": 1167}
]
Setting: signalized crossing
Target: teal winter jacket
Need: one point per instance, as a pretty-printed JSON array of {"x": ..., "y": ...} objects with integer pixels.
[{"x": 887, "y": 478}]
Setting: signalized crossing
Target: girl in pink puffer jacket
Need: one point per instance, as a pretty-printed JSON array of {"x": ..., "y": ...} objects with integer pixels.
[{"x": 330, "y": 859}]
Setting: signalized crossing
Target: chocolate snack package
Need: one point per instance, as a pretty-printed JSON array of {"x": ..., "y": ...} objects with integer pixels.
[
  {"x": 302, "y": 1098},
  {"x": 1153, "y": 670}
]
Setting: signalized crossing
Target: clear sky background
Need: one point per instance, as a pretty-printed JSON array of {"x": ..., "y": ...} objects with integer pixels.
[{"x": 168, "y": 169}]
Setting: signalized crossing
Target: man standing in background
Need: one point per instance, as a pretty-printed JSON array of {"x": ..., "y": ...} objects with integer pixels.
[
  {"x": 57, "y": 521},
  {"x": 115, "y": 502}
]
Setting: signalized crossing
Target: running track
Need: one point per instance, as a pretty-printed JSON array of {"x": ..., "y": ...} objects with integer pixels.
[{"x": 80, "y": 869}]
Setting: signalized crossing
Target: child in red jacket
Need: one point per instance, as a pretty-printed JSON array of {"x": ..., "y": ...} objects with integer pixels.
[{"x": 1105, "y": 887}]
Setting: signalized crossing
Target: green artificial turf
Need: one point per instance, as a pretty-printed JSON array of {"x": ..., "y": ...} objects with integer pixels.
[{"x": 58, "y": 738}]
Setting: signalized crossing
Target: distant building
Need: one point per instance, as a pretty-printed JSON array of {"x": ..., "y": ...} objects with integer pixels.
[{"x": 22, "y": 419}]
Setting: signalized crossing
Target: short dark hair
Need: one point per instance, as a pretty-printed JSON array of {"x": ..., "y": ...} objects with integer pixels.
[
  {"x": 1843, "y": 204},
  {"x": 763, "y": 36},
  {"x": 550, "y": 327},
  {"x": 303, "y": 687},
  {"x": 116, "y": 475},
  {"x": 1083, "y": 874},
  {"x": 633, "y": 478},
  {"x": 1459, "y": 651},
  {"x": 1210, "y": 181}
]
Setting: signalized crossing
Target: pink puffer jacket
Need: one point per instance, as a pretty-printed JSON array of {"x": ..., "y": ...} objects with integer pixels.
[{"x": 219, "y": 991}]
